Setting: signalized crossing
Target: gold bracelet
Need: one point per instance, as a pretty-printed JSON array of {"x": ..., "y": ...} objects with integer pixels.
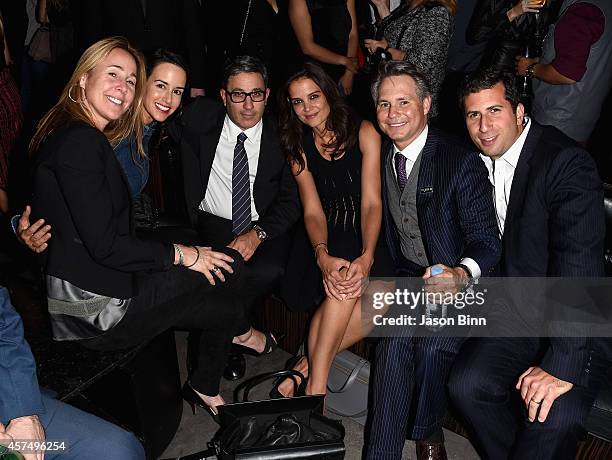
[{"x": 315, "y": 246}]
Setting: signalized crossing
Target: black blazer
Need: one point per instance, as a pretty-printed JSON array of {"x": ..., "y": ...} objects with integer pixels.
[
  {"x": 555, "y": 227},
  {"x": 82, "y": 193},
  {"x": 454, "y": 205},
  {"x": 555, "y": 223},
  {"x": 198, "y": 130},
  {"x": 174, "y": 24}
]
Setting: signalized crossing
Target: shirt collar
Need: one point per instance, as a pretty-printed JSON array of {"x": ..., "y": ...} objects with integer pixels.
[
  {"x": 412, "y": 150},
  {"x": 147, "y": 130},
  {"x": 253, "y": 134},
  {"x": 514, "y": 152},
  {"x": 512, "y": 155}
]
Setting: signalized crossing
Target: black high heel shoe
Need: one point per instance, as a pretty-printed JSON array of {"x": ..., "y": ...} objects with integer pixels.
[
  {"x": 194, "y": 400},
  {"x": 301, "y": 387},
  {"x": 269, "y": 347}
]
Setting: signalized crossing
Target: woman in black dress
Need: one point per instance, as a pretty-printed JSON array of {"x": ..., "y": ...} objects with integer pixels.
[
  {"x": 326, "y": 31},
  {"x": 336, "y": 162}
]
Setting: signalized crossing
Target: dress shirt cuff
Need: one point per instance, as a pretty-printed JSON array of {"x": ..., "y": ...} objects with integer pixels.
[{"x": 473, "y": 266}]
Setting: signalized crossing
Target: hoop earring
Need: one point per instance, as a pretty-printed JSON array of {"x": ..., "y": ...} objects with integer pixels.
[{"x": 70, "y": 95}]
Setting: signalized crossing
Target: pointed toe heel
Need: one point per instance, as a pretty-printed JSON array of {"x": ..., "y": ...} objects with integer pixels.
[{"x": 192, "y": 398}]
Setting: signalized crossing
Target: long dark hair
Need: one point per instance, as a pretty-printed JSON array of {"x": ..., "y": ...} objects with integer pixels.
[
  {"x": 165, "y": 56},
  {"x": 341, "y": 121}
]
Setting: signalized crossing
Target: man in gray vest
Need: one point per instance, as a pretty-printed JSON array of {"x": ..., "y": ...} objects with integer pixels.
[
  {"x": 572, "y": 78},
  {"x": 438, "y": 209}
]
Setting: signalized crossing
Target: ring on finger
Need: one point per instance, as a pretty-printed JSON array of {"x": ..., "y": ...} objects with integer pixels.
[
  {"x": 216, "y": 269},
  {"x": 536, "y": 402}
]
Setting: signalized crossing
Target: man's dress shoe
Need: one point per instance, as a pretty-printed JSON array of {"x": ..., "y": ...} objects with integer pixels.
[
  {"x": 235, "y": 367},
  {"x": 426, "y": 450}
]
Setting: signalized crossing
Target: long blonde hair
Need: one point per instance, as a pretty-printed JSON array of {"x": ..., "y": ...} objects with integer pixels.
[
  {"x": 450, "y": 5},
  {"x": 70, "y": 106}
]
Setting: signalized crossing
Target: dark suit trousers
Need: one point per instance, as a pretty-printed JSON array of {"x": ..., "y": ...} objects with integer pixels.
[
  {"x": 410, "y": 376},
  {"x": 261, "y": 272},
  {"x": 482, "y": 387},
  {"x": 181, "y": 298}
]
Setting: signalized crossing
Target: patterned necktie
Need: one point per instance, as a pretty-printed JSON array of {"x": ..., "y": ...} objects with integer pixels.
[
  {"x": 241, "y": 190},
  {"x": 400, "y": 170}
]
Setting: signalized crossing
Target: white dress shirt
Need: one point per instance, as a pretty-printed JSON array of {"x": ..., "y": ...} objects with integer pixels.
[
  {"x": 412, "y": 152},
  {"x": 218, "y": 197},
  {"x": 501, "y": 175}
]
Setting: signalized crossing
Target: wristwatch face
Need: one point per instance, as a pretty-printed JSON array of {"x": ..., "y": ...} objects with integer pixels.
[{"x": 261, "y": 233}]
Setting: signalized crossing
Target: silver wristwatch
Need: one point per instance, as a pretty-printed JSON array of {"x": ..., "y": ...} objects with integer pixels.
[{"x": 261, "y": 233}]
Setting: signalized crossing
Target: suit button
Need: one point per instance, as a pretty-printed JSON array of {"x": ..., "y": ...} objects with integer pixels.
[
  {"x": 405, "y": 219},
  {"x": 403, "y": 202},
  {"x": 420, "y": 254}
]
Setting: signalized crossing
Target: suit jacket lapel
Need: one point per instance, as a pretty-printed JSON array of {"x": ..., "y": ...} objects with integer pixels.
[
  {"x": 208, "y": 146},
  {"x": 264, "y": 165},
  {"x": 426, "y": 187},
  {"x": 519, "y": 181}
]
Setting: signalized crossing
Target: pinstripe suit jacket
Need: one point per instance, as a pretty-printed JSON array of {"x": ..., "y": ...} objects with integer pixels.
[
  {"x": 555, "y": 227},
  {"x": 454, "y": 204}
]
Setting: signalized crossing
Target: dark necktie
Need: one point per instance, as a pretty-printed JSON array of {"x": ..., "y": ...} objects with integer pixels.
[
  {"x": 400, "y": 170},
  {"x": 241, "y": 190}
]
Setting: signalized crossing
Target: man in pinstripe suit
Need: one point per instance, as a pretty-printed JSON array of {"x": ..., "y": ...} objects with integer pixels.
[
  {"x": 549, "y": 206},
  {"x": 438, "y": 209}
]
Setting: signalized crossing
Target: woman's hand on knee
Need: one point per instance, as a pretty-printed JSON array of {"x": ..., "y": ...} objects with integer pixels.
[
  {"x": 204, "y": 260},
  {"x": 356, "y": 277},
  {"x": 332, "y": 269}
]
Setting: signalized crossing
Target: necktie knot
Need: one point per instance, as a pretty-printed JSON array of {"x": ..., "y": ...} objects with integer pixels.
[{"x": 242, "y": 137}]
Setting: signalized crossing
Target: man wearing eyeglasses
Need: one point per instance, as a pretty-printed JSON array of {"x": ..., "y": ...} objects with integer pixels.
[{"x": 239, "y": 190}]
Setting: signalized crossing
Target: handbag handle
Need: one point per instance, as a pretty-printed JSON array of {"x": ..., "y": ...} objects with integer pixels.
[
  {"x": 251, "y": 383},
  {"x": 351, "y": 378}
]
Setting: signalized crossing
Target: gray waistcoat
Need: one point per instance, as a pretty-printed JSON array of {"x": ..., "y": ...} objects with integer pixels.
[
  {"x": 574, "y": 109},
  {"x": 403, "y": 209}
]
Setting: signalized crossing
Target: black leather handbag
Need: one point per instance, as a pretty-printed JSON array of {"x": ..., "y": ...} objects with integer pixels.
[{"x": 277, "y": 428}]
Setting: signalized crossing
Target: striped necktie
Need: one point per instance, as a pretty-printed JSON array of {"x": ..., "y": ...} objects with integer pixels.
[
  {"x": 400, "y": 170},
  {"x": 241, "y": 190}
]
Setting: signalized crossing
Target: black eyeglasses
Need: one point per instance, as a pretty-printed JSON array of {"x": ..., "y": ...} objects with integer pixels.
[{"x": 257, "y": 95}]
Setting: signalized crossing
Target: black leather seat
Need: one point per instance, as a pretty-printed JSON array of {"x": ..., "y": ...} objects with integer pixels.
[{"x": 600, "y": 419}]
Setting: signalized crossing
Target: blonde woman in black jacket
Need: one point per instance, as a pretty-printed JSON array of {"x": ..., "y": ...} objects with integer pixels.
[{"x": 105, "y": 287}]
